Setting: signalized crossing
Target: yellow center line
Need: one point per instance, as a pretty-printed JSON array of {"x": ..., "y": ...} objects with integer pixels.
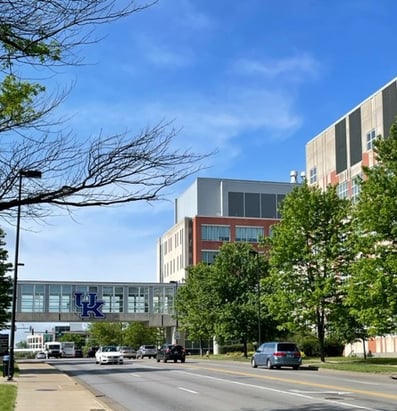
[{"x": 300, "y": 382}]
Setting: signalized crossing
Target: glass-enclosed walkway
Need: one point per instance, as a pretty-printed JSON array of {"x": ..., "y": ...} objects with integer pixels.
[{"x": 55, "y": 301}]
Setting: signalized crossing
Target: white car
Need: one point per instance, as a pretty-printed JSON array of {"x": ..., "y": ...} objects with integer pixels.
[{"x": 108, "y": 354}]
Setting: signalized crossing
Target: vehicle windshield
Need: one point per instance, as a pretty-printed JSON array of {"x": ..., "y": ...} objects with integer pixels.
[{"x": 109, "y": 349}]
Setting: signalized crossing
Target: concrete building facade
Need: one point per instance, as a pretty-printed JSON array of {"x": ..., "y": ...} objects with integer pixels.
[
  {"x": 336, "y": 155},
  {"x": 213, "y": 211}
]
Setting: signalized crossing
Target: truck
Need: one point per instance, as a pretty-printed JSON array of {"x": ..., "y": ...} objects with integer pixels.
[
  {"x": 53, "y": 349},
  {"x": 68, "y": 349}
]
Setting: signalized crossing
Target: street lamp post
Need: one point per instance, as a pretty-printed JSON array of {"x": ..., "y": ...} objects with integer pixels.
[{"x": 28, "y": 174}]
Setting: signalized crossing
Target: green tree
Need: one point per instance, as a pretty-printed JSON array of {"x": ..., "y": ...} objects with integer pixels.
[
  {"x": 222, "y": 299},
  {"x": 5, "y": 284},
  {"x": 194, "y": 304},
  {"x": 309, "y": 259},
  {"x": 106, "y": 333},
  {"x": 372, "y": 287},
  {"x": 236, "y": 274},
  {"x": 136, "y": 334}
]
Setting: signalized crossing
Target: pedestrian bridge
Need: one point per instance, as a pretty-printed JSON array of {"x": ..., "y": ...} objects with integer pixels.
[{"x": 63, "y": 301}]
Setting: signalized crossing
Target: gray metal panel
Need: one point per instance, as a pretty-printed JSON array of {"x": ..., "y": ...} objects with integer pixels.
[{"x": 186, "y": 204}]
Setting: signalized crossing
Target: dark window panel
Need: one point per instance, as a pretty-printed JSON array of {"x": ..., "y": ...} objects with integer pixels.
[
  {"x": 268, "y": 206},
  {"x": 355, "y": 137},
  {"x": 389, "y": 100},
  {"x": 252, "y": 205},
  {"x": 340, "y": 146},
  {"x": 236, "y": 204}
]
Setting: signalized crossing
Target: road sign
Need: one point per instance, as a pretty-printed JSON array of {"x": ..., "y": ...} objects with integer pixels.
[{"x": 3, "y": 344}]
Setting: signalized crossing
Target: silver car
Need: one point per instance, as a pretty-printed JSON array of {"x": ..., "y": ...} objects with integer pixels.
[
  {"x": 276, "y": 355},
  {"x": 149, "y": 351}
]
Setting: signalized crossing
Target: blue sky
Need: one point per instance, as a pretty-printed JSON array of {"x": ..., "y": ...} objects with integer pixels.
[{"x": 253, "y": 79}]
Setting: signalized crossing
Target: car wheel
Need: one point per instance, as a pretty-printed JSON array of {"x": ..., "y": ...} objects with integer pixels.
[
  {"x": 295, "y": 367},
  {"x": 165, "y": 360},
  {"x": 175, "y": 360},
  {"x": 253, "y": 363},
  {"x": 269, "y": 365},
  {"x": 158, "y": 359},
  {"x": 182, "y": 360}
]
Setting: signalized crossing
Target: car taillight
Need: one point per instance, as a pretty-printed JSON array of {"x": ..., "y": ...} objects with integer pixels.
[
  {"x": 297, "y": 354},
  {"x": 279, "y": 354},
  {"x": 167, "y": 350}
]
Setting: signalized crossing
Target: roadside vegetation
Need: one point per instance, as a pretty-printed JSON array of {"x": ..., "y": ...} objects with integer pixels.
[
  {"x": 8, "y": 395},
  {"x": 375, "y": 365}
]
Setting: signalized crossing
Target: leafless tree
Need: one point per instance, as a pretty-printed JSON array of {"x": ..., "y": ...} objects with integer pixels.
[{"x": 77, "y": 171}]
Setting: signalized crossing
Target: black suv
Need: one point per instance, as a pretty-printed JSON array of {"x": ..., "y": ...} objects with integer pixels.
[{"x": 172, "y": 352}]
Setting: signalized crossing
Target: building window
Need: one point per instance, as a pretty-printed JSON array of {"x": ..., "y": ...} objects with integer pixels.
[
  {"x": 313, "y": 175},
  {"x": 215, "y": 233},
  {"x": 370, "y": 139},
  {"x": 342, "y": 189},
  {"x": 60, "y": 298},
  {"x": 138, "y": 299},
  {"x": 32, "y": 298},
  {"x": 113, "y": 298},
  {"x": 249, "y": 234},
  {"x": 208, "y": 257}
]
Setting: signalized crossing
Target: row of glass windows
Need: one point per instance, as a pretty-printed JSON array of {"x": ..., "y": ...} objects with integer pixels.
[
  {"x": 61, "y": 298},
  {"x": 222, "y": 233},
  {"x": 174, "y": 242}
]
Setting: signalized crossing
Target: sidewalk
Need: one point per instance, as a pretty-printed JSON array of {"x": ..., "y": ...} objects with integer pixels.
[{"x": 42, "y": 387}]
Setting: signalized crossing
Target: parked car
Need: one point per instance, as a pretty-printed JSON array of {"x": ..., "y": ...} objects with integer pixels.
[
  {"x": 127, "y": 352},
  {"x": 108, "y": 354},
  {"x": 78, "y": 353},
  {"x": 172, "y": 352},
  {"x": 41, "y": 355},
  {"x": 277, "y": 354},
  {"x": 146, "y": 351}
]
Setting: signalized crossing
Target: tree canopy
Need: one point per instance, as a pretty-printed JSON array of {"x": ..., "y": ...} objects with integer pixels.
[
  {"x": 372, "y": 288},
  {"x": 222, "y": 300},
  {"x": 309, "y": 259}
]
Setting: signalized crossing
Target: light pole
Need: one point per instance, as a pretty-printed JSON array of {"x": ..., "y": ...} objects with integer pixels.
[
  {"x": 28, "y": 174},
  {"x": 255, "y": 254}
]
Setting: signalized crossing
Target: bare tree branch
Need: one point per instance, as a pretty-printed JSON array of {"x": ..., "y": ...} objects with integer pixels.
[{"x": 77, "y": 172}]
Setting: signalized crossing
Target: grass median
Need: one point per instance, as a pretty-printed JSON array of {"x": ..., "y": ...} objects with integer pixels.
[{"x": 376, "y": 365}]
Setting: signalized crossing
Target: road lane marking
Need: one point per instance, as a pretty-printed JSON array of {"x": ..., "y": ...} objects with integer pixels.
[
  {"x": 300, "y": 382},
  {"x": 289, "y": 392},
  {"x": 186, "y": 389}
]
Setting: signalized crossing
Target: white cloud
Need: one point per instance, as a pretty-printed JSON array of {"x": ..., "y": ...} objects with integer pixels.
[{"x": 294, "y": 66}]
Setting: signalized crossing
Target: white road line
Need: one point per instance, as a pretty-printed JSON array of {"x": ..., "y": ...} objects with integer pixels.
[
  {"x": 185, "y": 389},
  {"x": 360, "y": 382},
  {"x": 289, "y": 392}
]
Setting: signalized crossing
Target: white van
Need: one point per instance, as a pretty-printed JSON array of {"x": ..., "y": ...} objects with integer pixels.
[{"x": 53, "y": 349}]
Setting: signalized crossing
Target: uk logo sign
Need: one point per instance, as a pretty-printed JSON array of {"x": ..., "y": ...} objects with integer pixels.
[{"x": 88, "y": 305}]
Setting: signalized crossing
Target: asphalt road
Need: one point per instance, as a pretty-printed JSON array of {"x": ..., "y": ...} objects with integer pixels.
[{"x": 199, "y": 385}]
